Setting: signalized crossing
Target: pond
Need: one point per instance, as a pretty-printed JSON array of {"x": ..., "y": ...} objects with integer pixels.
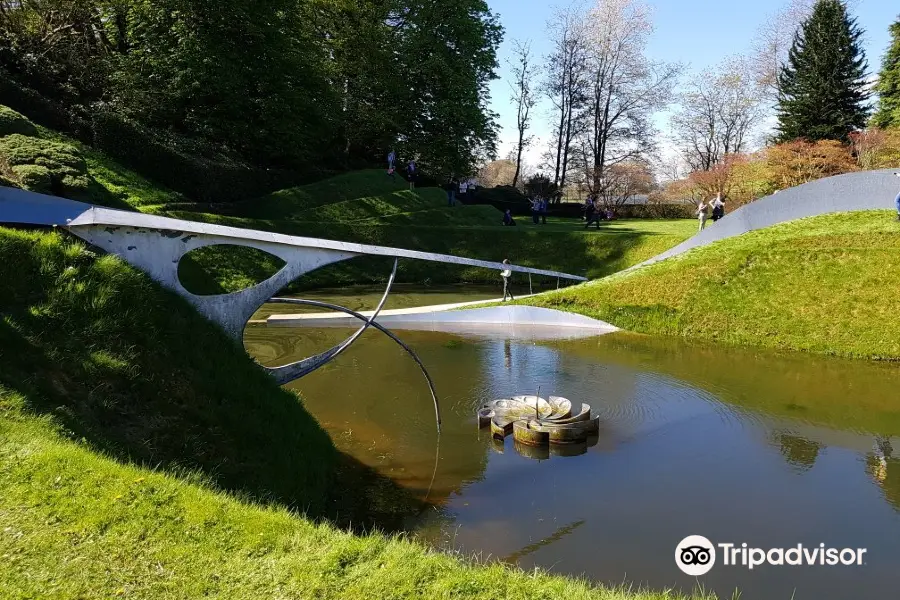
[{"x": 740, "y": 446}]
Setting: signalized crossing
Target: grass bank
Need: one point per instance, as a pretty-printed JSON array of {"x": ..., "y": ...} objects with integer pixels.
[
  {"x": 826, "y": 284},
  {"x": 143, "y": 455}
]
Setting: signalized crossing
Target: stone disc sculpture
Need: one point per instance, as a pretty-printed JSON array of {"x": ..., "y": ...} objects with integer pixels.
[{"x": 540, "y": 422}]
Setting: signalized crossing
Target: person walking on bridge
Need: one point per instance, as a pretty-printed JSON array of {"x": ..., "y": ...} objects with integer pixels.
[{"x": 506, "y": 274}]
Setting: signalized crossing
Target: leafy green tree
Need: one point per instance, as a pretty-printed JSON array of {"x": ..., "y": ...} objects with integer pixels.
[
  {"x": 447, "y": 51},
  {"x": 59, "y": 46},
  {"x": 822, "y": 87},
  {"x": 249, "y": 75},
  {"x": 888, "y": 114}
]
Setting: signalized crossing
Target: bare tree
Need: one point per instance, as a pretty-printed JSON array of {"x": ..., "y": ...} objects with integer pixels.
[
  {"x": 523, "y": 94},
  {"x": 773, "y": 41},
  {"x": 719, "y": 110},
  {"x": 623, "y": 181},
  {"x": 626, "y": 87},
  {"x": 566, "y": 84},
  {"x": 496, "y": 173}
]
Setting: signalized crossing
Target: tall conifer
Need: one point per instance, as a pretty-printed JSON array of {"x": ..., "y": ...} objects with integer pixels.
[
  {"x": 822, "y": 87},
  {"x": 888, "y": 114}
]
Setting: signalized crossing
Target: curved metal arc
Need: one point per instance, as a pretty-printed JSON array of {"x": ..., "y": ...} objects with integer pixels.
[
  {"x": 292, "y": 371},
  {"x": 379, "y": 327}
]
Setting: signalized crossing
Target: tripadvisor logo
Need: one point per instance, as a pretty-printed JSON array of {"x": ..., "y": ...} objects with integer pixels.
[{"x": 695, "y": 555}]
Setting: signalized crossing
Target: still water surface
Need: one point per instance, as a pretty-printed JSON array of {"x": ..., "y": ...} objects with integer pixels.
[{"x": 736, "y": 445}]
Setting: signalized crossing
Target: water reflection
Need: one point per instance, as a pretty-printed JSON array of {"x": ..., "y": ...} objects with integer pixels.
[
  {"x": 772, "y": 450},
  {"x": 799, "y": 452}
]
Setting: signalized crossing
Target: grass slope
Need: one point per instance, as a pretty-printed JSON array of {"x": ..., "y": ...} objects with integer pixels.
[
  {"x": 348, "y": 186},
  {"x": 103, "y": 373},
  {"x": 827, "y": 284}
]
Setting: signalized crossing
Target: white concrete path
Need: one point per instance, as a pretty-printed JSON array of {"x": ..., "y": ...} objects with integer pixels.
[{"x": 495, "y": 321}]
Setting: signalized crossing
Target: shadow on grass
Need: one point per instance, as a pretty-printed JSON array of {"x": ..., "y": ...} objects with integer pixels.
[{"x": 135, "y": 373}]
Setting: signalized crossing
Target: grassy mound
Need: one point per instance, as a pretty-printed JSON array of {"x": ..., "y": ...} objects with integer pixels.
[
  {"x": 12, "y": 122},
  {"x": 40, "y": 160},
  {"x": 45, "y": 166},
  {"x": 421, "y": 207},
  {"x": 114, "y": 185},
  {"x": 348, "y": 186},
  {"x": 142, "y": 454},
  {"x": 826, "y": 284},
  {"x": 95, "y": 347}
]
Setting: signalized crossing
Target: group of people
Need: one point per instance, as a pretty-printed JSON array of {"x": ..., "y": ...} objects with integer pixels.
[
  {"x": 717, "y": 207},
  {"x": 594, "y": 213},
  {"x": 539, "y": 209},
  {"x": 459, "y": 188},
  {"x": 412, "y": 172}
]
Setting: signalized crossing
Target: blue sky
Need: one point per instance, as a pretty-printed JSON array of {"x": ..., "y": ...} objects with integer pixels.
[{"x": 698, "y": 33}]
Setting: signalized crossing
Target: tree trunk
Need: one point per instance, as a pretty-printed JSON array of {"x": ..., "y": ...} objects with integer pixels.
[{"x": 518, "y": 158}]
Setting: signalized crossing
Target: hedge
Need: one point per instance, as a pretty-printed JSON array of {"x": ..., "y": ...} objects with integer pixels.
[{"x": 46, "y": 166}]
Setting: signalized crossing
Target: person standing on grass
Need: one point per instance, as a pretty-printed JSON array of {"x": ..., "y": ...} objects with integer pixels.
[
  {"x": 591, "y": 214},
  {"x": 411, "y": 173},
  {"x": 702, "y": 214},
  {"x": 718, "y": 208},
  {"x": 535, "y": 209},
  {"x": 451, "y": 191},
  {"x": 544, "y": 205},
  {"x": 392, "y": 158},
  {"x": 506, "y": 274}
]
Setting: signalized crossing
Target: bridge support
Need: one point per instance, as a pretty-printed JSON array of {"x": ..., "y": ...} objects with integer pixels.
[{"x": 158, "y": 253}]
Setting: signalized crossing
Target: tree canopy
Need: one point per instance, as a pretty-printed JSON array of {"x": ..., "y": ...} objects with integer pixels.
[{"x": 279, "y": 83}]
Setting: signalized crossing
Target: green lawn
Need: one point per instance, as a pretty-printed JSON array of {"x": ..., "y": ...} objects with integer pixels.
[
  {"x": 144, "y": 455},
  {"x": 826, "y": 284}
]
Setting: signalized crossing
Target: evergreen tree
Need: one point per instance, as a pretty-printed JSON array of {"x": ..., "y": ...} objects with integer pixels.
[
  {"x": 888, "y": 114},
  {"x": 822, "y": 88}
]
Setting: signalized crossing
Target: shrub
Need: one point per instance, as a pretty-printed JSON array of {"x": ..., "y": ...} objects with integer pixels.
[
  {"x": 798, "y": 162},
  {"x": 13, "y": 122},
  {"x": 35, "y": 178},
  {"x": 876, "y": 148},
  {"x": 62, "y": 163}
]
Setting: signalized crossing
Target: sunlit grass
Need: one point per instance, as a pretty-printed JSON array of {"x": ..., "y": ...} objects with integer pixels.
[{"x": 826, "y": 284}]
